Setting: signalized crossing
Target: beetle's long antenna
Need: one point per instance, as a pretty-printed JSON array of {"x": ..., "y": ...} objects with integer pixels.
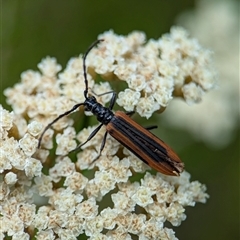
[
  {"x": 77, "y": 105},
  {"x": 55, "y": 120},
  {"x": 84, "y": 65}
]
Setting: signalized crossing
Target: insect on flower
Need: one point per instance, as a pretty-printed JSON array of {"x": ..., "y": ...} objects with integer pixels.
[{"x": 140, "y": 141}]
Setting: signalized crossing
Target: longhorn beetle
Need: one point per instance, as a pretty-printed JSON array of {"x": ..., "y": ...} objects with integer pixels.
[{"x": 141, "y": 142}]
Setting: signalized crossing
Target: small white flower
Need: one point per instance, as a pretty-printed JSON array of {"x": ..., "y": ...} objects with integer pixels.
[
  {"x": 128, "y": 99},
  {"x": 10, "y": 178},
  {"x": 33, "y": 167},
  {"x": 49, "y": 66},
  {"x": 6, "y": 118},
  {"x": 35, "y": 128},
  {"x": 28, "y": 144},
  {"x": 192, "y": 93},
  {"x": 146, "y": 106},
  {"x": 143, "y": 196}
]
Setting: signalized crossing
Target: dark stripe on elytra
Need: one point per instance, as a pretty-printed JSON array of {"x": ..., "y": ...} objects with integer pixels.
[{"x": 143, "y": 141}]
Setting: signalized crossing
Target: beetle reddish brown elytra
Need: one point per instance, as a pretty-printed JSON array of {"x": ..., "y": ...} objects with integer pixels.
[{"x": 141, "y": 142}]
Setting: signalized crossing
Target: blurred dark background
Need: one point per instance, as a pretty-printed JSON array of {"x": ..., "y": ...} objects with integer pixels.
[{"x": 32, "y": 30}]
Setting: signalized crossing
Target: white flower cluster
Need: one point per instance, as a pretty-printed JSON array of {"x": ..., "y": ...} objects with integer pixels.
[
  {"x": 18, "y": 166},
  {"x": 215, "y": 24},
  {"x": 75, "y": 206},
  {"x": 100, "y": 200},
  {"x": 155, "y": 70}
]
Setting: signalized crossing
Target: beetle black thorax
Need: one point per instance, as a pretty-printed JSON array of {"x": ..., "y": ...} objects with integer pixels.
[{"x": 103, "y": 114}]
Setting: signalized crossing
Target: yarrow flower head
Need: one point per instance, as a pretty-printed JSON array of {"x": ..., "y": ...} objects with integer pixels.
[
  {"x": 47, "y": 194},
  {"x": 155, "y": 71}
]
